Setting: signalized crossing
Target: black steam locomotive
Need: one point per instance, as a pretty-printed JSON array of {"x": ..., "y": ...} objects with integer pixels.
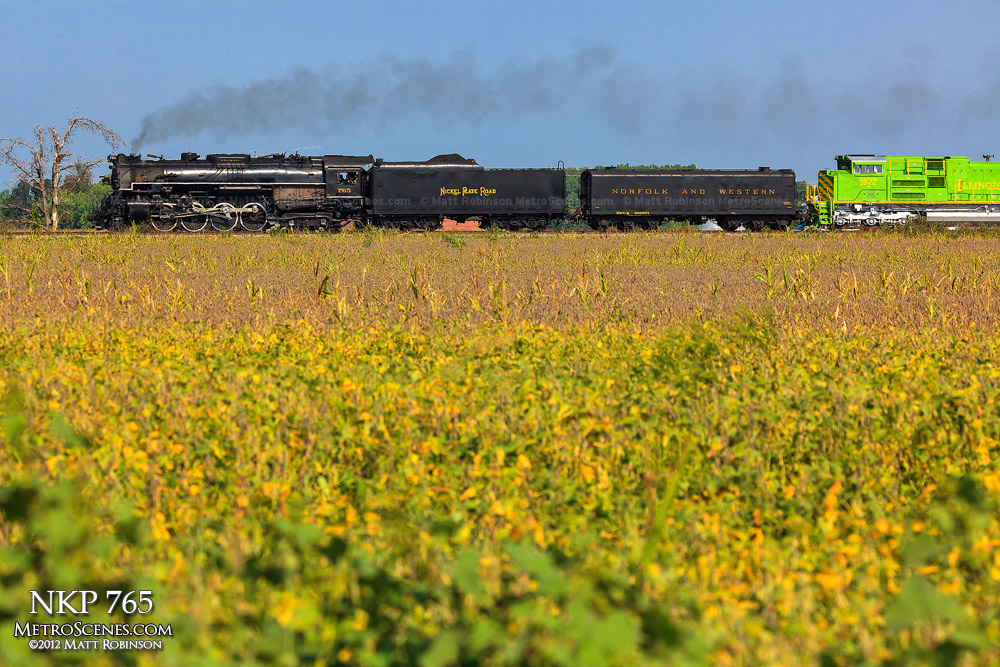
[
  {"x": 230, "y": 191},
  {"x": 227, "y": 191}
]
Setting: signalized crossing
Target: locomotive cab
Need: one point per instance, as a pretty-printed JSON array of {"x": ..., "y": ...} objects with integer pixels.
[{"x": 345, "y": 177}]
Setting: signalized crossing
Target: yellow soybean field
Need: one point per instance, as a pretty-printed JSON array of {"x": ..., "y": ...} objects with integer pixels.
[{"x": 379, "y": 449}]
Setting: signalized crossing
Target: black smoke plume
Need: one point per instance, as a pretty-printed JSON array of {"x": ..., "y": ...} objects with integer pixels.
[
  {"x": 385, "y": 90},
  {"x": 721, "y": 116}
]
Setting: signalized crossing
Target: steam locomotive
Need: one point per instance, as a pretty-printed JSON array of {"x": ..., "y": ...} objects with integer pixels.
[
  {"x": 229, "y": 191},
  {"x": 226, "y": 191}
]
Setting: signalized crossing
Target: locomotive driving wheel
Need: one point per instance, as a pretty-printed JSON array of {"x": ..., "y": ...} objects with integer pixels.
[
  {"x": 195, "y": 222},
  {"x": 223, "y": 217},
  {"x": 253, "y": 217}
]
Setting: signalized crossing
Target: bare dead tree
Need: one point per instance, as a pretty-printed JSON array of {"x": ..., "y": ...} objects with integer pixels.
[
  {"x": 43, "y": 161},
  {"x": 80, "y": 175}
]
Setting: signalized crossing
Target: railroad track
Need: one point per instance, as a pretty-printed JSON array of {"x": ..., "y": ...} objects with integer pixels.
[
  {"x": 153, "y": 232},
  {"x": 148, "y": 231}
]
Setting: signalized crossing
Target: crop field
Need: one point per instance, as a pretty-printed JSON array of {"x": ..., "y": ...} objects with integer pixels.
[{"x": 378, "y": 448}]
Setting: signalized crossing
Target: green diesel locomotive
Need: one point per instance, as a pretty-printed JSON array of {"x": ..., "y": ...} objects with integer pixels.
[{"x": 869, "y": 190}]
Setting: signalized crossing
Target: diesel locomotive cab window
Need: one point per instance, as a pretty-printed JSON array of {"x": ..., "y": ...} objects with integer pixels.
[{"x": 867, "y": 169}]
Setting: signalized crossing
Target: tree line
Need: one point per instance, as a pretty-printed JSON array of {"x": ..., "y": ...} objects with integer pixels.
[
  {"x": 573, "y": 176},
  {"x": 21, "y": 205}
]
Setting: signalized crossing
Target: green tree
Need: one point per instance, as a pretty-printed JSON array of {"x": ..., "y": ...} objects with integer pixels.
[
  {"x": 20, "y": 207},
  {"x": 573, "y": 177},
  {"x": 78, "y": 206},
  {"x": 800, "y": 192},
  {"x": 649, "y": 167}
]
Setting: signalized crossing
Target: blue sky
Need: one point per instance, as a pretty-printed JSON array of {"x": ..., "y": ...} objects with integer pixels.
[{"x": 723, "y": 84}]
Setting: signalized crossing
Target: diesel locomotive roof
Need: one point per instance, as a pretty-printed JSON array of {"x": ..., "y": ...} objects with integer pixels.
[{"x": 862, "y": 157}]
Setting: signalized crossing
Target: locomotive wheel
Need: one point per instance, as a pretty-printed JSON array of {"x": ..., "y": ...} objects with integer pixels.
[
  {"x": 163, "y": 224},
  {"x": 254, "y": 217},
  {"x": 158, "y": 218},
  {"x": 194, "y": 223},
  {"x": 223, "y": 217}
]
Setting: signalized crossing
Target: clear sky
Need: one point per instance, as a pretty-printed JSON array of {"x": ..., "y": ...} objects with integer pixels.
[{"x": 723, "y": 84}]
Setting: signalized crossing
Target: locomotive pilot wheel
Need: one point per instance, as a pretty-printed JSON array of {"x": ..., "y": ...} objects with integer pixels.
[{"x": 162, "y": 219}]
